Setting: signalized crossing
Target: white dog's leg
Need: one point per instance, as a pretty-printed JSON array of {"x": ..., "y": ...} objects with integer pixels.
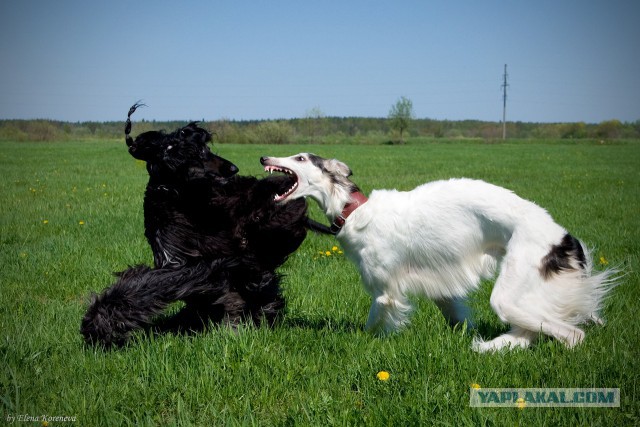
[
  {"x": 567, "y": 334},
  {"x": 387, "y": 314},
  {"x": 455, "y": 311},
  {"x": 506, "y": 301},
  {"x": 516, "y": 337},
  {"x": 374, "y": 320},
  {"x": 526, "y": 311}
]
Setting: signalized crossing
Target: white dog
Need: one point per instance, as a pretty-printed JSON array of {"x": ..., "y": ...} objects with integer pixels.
[{"x": 440, "y": 239}]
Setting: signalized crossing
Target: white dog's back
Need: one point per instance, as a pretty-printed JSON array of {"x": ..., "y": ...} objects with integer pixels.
[{"x": 427, "y": 234}]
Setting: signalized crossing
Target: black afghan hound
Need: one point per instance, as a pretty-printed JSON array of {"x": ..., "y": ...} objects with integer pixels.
[{"x": 217, "y": 239}]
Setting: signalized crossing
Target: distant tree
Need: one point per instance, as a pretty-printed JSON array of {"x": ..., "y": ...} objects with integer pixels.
[
  {"x": 271, "y": 132},
  {"x": 609, "y": 129},
  {"x": 574, "y": 130},
  {"x": 315, "y": 118},
  {"x": 400, "y": 115}
]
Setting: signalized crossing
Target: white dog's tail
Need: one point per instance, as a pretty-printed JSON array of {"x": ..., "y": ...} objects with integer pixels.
[
  {"x": 587, "y": 291},
  {"x": 574, "y": 293}
]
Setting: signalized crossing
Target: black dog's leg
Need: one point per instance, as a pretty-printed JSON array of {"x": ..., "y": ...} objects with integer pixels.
[
  {"x": 264, "y": 299},
  {"x": 253, "y": 296},
  {"x": 142, "y": 293}
]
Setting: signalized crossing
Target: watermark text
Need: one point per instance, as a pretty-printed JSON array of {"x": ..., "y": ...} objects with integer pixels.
[
  {"x": 545, "y": 397},
  {"x": 44, "y": 419}
]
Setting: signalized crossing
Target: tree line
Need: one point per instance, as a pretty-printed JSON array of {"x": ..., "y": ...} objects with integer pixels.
[{"x": 320, "y": 129}]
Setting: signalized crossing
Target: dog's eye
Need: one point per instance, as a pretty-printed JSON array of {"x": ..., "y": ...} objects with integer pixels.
[{"x": 300, "y": 158}]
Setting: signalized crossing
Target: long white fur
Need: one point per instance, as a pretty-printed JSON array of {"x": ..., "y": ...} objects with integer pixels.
[{"x": 440, "y": 239}]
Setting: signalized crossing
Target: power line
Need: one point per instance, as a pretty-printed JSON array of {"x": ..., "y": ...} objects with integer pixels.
[{"x": 504, "y": 103}]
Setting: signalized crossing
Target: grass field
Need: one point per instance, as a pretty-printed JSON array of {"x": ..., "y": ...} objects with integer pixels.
[{"x": 72, "y": 214}]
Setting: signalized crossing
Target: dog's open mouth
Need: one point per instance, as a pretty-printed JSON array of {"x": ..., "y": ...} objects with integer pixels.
[{"x": 281, "y": 197}]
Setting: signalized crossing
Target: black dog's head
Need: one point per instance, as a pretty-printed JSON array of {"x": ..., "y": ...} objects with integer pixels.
[{"x": 181, "y": 153}]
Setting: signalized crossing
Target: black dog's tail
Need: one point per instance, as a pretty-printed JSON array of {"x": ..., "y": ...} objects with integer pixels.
[
  {"x": 142, "y": 293},
  {"x": 127, "y": 127}
]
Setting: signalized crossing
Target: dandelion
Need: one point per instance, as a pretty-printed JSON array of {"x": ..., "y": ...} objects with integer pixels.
[
  {"x": 476, "y": 386},
  {"x": 383, "y": 375},
  {"x": 327, "y": 253},
  {"x": 81, "y": 222},
  {"x": 520, "y": 403},
  {"x": 45, "y": 221},
  {"x": 603, "y": 261}
]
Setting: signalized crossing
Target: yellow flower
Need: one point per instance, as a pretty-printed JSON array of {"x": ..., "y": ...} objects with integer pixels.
[
  {"x": 383, "y": 375},
  {"x": 475, "y": 385},
  {"x": 45, "y": 221},
  {"x": 81, "y": 222},
  {"x": 520, "y": 403},
  {"x": 603, "y": 261},
  {"x": 334, "y": 249},
  {"x": 328, "y": 253}
]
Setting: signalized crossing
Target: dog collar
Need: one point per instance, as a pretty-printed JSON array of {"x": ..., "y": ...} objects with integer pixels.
[{"x": 358, "y": 199}]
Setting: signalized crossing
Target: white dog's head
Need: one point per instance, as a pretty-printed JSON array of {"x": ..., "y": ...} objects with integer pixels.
[{"x": 324, "y": 180}]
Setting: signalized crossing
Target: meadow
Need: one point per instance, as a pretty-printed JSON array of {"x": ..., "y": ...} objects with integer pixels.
[{"x": 71, "y": 214}]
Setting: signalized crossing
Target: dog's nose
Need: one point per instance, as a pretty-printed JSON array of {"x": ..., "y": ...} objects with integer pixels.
[{"x": 263, "y": 160}]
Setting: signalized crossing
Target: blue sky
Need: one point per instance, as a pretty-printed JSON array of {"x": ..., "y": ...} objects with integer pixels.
[{"x": 84, "y": 60}]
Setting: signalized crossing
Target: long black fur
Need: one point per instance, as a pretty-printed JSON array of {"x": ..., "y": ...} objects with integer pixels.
[{"x": 216, "y": 239}]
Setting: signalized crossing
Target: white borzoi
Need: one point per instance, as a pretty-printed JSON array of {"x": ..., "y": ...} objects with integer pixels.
[{"x": 440, "y": 239}]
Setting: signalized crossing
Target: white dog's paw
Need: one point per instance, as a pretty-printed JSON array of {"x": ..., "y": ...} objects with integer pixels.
[
  {"x": 515, "y": 338},
  {"x": 481, "y": 346}
]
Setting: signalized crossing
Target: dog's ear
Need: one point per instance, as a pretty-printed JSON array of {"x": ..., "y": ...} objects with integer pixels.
[{"x": 336, "y": 166}]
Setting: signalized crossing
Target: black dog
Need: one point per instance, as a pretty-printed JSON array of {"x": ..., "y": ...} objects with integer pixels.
[{"x": 216, "y": 238}]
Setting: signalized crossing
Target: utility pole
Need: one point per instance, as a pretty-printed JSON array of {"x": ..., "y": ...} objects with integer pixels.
[{"x": 504, "y": 103}]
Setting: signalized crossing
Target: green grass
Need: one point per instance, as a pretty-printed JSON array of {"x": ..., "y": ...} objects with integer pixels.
[{"x": 72, "y": 214}]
